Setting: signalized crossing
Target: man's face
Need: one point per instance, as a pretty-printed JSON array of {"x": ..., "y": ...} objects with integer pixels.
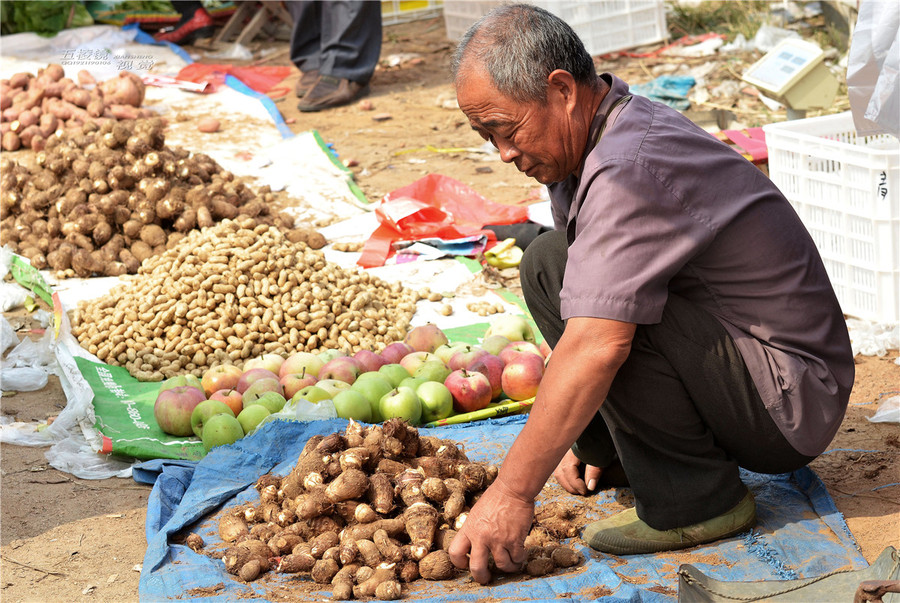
[{"x": 533, "y": 136}]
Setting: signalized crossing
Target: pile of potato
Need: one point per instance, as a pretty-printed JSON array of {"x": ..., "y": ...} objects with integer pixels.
[
  {"x": 33, "y": 107},
  {"x": 235, "y": 291},
  {"x": 102, "y": 199},
  {"x": 369, "y": 509}
]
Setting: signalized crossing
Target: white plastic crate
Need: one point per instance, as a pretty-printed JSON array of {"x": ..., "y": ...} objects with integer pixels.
[
  {"x": 404, "y": 11},
  {"x": 846, "y": 189},
  {"x": 603, "y": 25}
]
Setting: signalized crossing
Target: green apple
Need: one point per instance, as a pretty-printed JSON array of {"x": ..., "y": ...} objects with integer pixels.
[
  {"x": 373, "y": 386},
  {"x": 433, "y": 370},
  {"x": 260, "y": 387},
  {"x": 252, "y": 416},
  {"x": 512, "y": 326},
  {"x": 351, "y": 404},
  {"x": 330, "y": 354},
  {"x": 272, "y": 401},
  {"x": 494, "y": 344},
  {"x": 436, "y": 400},
  {"x": 332, "y": 386},
  {"x": 412, "y": 382},
  {"x": 312, "y": 393},
  {"x": 220, "y": 430},
  {"x": 179, "y": 380},
  {"x": 445, "y": 351},
  {"x": 395, "y": 373},
  {"x": 403, "y": 403},
  {"x": 206, "y": 409}
]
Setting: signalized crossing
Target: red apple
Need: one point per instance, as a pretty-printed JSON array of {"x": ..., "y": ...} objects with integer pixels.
[
  {"x": 223, "y": 376},
  {"x": 521, "y": 377},
  {"x": 293, "y": 383},
  {"x": 342, "y": 368},
  {"x": 249, "y": 377},
  {"x": 465, "y": 356},
  {"x": 425, "y": 338},
  {"x": 491, "y": 367},
  {"x": 471, "y": 390},
  {"x": 173, "y": 409},
  {"x": 300, "y": 362},
  {"x": 231, "y": 398},
  {"x": 393, "y": 352},
  {"x": 271, "y": 362},
  {"x": 515, "y": 349},
  {"x": 369, "y": 360}
]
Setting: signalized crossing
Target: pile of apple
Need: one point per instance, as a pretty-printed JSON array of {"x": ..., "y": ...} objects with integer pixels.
[{"x": 421, "y": 379}]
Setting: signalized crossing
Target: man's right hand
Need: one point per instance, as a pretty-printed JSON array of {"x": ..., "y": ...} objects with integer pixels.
[{"x": 568, "y": 475}]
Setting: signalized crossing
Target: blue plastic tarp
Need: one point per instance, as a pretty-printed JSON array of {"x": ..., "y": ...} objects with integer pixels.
[
  {"x": 669, "y": 89},
  {"x": 800, "y": 533}
]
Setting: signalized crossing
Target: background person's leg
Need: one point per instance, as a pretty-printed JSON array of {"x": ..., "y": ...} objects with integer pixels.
[
  {"x": 351, "y": 39},
  {"x": 306, "y": 36}
]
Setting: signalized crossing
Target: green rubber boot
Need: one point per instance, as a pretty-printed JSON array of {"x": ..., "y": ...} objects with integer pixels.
[{"x": 625, "y": 534}]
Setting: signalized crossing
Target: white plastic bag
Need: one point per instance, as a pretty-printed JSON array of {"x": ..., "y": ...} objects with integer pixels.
[
  {"x": 888, "y": 411},
  {"x": 22, "y": 379},
  {"x": 8, "y": 337},
  {"x": 873, "y": 82},
  {"x": 74, "y": 455},
  {"x": 302, "y": 410}
]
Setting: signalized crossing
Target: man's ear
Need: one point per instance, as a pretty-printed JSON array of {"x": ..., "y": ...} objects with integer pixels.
[{"x": 561, "y": 87}]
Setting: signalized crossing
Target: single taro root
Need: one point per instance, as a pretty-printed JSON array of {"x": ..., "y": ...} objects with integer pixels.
[{"x": 354, "y": 529}]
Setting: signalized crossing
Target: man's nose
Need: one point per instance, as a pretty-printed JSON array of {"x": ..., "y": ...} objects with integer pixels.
[{"x": 508, "y": 152}]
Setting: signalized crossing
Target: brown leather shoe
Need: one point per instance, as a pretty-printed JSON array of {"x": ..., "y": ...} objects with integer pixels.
[
  {"x": 306, "y": 82},
  {"x": 329, "y": 92}
]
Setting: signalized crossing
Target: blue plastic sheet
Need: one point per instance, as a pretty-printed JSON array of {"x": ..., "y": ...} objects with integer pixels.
[
  {"x": 800, "y": 532},
  {"x": 669, "y": 89}
]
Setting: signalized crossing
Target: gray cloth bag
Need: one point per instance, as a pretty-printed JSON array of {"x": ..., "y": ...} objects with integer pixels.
[{"x": 695, "y": 587}]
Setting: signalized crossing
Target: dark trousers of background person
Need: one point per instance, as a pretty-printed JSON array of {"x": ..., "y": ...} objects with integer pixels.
[
  {"x": 338, "y": 38},
  {"x": 682, "y": 412}
]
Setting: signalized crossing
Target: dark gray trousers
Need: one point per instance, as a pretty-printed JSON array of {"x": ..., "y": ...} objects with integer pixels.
[
  {"x": 336, "y": 37},
  {"x": 682, "y": 412}
]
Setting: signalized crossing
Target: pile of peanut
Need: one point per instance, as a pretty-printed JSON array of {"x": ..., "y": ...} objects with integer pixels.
[
  {"x": 369, "y": 509},
  {"x": 235, "y": 291}
]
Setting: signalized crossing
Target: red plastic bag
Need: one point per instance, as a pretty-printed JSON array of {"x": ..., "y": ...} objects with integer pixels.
[
  {"x": 433, "y": 206},
  {"x": 261, "y": 78}
]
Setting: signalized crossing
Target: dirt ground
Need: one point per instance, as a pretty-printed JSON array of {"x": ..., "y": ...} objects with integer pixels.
[{"x": 68, "y": 539}]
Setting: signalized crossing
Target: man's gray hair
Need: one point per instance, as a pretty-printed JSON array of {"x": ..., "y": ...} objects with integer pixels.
[{"x": 519, "y": 45}]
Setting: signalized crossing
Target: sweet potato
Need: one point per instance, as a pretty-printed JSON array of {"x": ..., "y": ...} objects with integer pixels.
[
  {"x": 85, "y": 78},
  {"x": 11, "y": 141},
  {"x": 125, "y": 89}
]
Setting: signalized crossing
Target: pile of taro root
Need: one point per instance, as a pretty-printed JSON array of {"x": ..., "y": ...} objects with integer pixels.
[
  {"x": 368, "y": 510},
  {"x": 33, "y": 107},
  {"x": 101, "y": 199}
]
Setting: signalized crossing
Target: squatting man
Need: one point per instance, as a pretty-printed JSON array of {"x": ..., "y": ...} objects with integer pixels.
[{"x": 694, "y": 329}]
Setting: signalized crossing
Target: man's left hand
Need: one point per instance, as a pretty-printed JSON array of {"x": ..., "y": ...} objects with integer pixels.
[{"x": 497, "y": 525}]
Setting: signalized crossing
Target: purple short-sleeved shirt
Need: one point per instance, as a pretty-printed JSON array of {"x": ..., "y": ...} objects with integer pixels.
[{"x": 662, "y": 206}]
